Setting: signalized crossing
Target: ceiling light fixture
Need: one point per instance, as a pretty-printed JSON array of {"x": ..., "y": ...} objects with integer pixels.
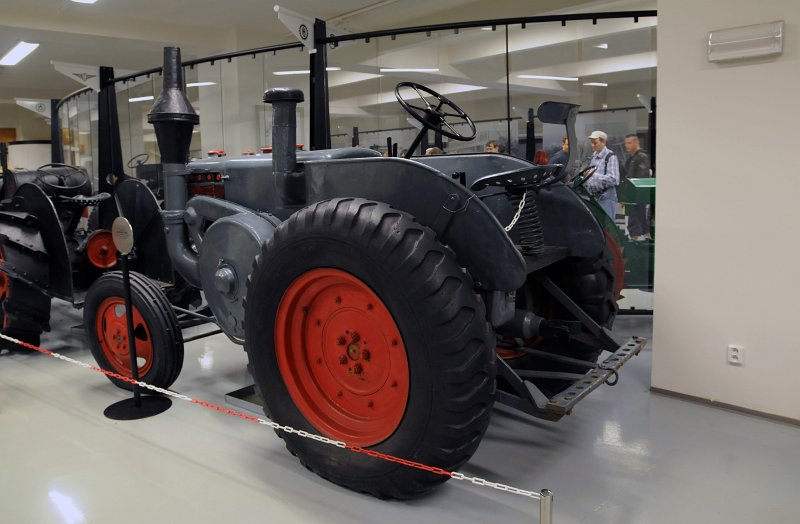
[
  {"x": 303, "y": 71},
  {"x": 201, "y": 84},
  {"x": 547, "y": 77},
  {"x": 141, "y": 98},
  {"x": 84, "y": 1},
  {"x": 597, "y": 84},
  {"x": 601, "y": 46},
  {"x": 17, "y": 53},
  {"x": 408, "y": 70}
]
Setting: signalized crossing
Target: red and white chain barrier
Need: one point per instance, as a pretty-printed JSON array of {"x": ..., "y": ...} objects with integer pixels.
[{"x": 545, "y": 497}]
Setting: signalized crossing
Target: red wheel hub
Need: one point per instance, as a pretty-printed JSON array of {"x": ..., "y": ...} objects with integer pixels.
[
  {"x": 3, "y": 280},
  {"x": 617, "y": 264},
  {"x": 100, "y": 249},
  {"x": 342, "y": 357},
  {"x": 112, "y": 333},
  {"x": 3, "y": 292}
]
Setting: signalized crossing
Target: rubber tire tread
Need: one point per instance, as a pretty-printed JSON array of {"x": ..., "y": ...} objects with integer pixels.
[
  {"x": 157, "y": 313},
  {"x": 450, "y": 348},
  {"x": 25, "y": 313}
]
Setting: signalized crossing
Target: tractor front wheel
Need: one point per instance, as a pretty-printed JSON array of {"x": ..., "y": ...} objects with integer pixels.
[
  {"x": 361, "y": 327},
  {"x": 158, "y": 338}
]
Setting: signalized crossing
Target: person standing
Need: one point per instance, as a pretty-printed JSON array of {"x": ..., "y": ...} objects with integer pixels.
[
  {"x": 605, "y": 178},
  {"x": 562, "y": 155},
  {"x": 637, "y": 166}
]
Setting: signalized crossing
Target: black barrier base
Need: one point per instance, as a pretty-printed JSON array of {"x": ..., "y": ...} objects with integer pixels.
[{"x": 127, "y": 409}]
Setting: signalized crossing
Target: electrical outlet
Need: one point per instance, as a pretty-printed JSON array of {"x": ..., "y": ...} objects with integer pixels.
[{"x": 735, "y": 354}]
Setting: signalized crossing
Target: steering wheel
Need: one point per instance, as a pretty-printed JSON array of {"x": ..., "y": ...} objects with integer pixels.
[
  {"x": 62, "y": 179},
  {"x": 434, "y": 115},
  {"x": 583, "y": 175},
  {"x": 135, "y": 162}
]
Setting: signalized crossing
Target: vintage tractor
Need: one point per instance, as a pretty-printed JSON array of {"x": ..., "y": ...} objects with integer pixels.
[
  {"x": 48, "y": 251},
  {"x": 383, "y": 302}
]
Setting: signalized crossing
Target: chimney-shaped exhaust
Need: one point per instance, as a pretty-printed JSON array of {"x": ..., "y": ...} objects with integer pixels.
[
  {"x": 172, "y": 115},
  {"x": 174, "y": 119},
  {"x": 284, "y": 102}
]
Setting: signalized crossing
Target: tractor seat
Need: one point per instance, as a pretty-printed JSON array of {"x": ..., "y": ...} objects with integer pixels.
[{"x": 81, "y": 201}]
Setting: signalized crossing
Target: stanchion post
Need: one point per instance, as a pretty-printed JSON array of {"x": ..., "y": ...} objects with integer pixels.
[
  {"x": 126, "y": 285},
  {"x": 149, "y": 405},
  {"x": 546, "y": 507}
]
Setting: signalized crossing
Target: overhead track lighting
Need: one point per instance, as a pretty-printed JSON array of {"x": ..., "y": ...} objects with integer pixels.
[
  {"x": 17, "y": 53},
  {"x": 596, "y": 84}
]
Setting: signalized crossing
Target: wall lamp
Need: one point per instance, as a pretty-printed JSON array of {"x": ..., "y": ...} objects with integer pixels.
[{"x": 746, "y": 42}]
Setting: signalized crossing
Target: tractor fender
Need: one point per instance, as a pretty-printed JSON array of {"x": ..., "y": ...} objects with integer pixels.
[
  {"x": 457, "y": 216},
  {"x": 34, "y": 245}
]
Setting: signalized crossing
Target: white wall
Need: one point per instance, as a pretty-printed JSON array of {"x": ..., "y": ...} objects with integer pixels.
[{"x": 728, "y": 209}]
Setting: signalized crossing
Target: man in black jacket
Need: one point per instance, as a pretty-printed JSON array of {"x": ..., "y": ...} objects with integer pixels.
[{"x": 636, "y": 166}]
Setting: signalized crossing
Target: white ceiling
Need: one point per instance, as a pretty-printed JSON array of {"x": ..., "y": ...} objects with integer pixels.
[{"x": 130, "y": 34}]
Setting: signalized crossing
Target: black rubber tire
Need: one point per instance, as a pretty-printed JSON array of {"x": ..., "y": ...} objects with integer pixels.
[
  {"x": 589, "y": 282},
  {"x": 449, "y": 344},
  {"x": 157, "y": 314},
  {"x": 25, "y": 312}
]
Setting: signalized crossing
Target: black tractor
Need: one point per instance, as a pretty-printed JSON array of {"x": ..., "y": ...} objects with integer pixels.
[{"x": 386, "y": 303}]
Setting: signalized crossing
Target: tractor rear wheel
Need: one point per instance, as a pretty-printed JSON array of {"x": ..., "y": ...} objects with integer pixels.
[
  {"x": 24, "y": 311},
  {"x": 159, "y": 342},
  {"x": 360, "y": 326},
  {"x": 590, "y": 283}
]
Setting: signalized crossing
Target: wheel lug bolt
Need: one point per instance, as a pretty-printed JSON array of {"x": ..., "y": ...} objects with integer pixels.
[
  {"x": 355, "y": 336},
  {"x": 343, "y": 359},
  {"x": 365, "y": 355},
  {"x": 341, "y": 341},
  {"x": 357, "y": 369}
]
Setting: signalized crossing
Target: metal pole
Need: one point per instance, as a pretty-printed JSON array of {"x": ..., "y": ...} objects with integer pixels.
[
  {"x": 126, "y": 285},
  {"x": 546, "y": 507}
]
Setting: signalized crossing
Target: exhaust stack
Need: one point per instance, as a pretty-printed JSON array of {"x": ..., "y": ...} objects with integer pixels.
[
  {"x": 289, "y": 184},
  {"x": 174, "y": 118}
]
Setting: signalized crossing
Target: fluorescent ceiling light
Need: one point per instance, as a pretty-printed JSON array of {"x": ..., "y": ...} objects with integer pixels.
[
  {"x": 598, "y": 84},
  {"x": 20, "y": 51},
  {"x": 201, "y": 84},
  {"x": 408, "y": 70},
  {"x": 601, "y": 46},
  {"x": 303, "y": 71},
  {"x": 85, "y": 1},
  {"x": 140, "y": 98},
  {"x": 487, "y": 28},
  {"x": 546, "y": 77}
]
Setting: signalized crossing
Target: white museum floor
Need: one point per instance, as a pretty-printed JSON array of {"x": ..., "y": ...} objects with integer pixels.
[{"x": 625, "y": 456}]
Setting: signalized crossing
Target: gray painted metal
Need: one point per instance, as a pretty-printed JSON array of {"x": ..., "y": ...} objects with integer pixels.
[{"x": 229, "y": 248}]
